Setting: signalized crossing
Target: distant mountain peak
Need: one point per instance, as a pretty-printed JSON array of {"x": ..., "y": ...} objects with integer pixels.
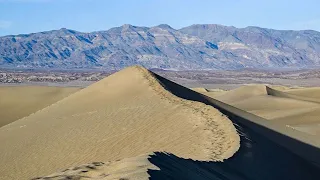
[
  {"x": 127, "y": 26},
  {"x": 65, "y": 30},
  {"x": 199, "y": 46},
  {"x": 207, "y": 25},
  {"x": 164, "y": 26}
]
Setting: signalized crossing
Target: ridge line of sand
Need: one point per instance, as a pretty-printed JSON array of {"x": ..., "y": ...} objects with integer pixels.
[{"x": 226, "y": 130}]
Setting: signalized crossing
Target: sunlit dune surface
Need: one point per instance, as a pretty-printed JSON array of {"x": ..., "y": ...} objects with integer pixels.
[
  {"x": 306, "y": 92},
  {"x": 200, "y": 90},
  {"x": 242, "y": 93},
  {"x": 128, "y": 168},
  {"x": 19, "y": 101},
  {"x": 158, "y": 165},
  {"x": 296, "y": 108},
  {"x": 209, "y": 92},
  {"x": 271, "y": 107},
  {"x": 124, "y": 115}
]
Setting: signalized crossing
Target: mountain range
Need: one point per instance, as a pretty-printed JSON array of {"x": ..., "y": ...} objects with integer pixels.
[{"x": 196, "y": 47}]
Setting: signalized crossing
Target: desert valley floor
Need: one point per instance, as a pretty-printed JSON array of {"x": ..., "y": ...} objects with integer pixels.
[{"x": 135, "y": 124}]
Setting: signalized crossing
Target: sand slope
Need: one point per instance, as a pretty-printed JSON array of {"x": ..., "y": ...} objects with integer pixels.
[
  {"x": 133, "y": 168},
  {"x": 200, "y": 89},
  {"x": 298, "y": 109},
  {"x": 256, "y": 143},
  {"x": 281, "y": 94},
  {"x": 124, "y": 115},
  {"x": 257, "y": 100},
  {"x": 156, "y": 165},
  {"x": 313, "y": 92},
  {"x": 242, "y": 93},
  {"x": 19, "y": 101}
]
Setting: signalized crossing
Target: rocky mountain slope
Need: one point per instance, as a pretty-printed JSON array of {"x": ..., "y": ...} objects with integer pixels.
[{"x": 193, "y": 47}]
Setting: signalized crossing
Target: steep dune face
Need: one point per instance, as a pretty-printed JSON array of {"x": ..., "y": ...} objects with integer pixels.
[
  {"x": 20, "y": 101},
  {"x": 124, "y": 115}
]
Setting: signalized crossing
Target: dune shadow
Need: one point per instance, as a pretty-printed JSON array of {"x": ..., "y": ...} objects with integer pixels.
[{"x": 264, "y": 154}]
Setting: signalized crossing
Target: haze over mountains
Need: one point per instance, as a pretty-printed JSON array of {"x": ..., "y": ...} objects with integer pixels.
[{"x": 194, "y": 47}]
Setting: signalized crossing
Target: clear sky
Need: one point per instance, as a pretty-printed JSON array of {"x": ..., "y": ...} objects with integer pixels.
[{"x": 26, "y": 16}]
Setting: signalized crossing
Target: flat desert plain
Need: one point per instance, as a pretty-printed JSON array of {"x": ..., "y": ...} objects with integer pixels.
[{"x": 112, "y": 128}]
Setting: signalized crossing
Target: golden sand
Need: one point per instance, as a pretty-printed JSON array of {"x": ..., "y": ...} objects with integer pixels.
[
  {"x": 124, "y": 115},
  {"x": 19, "y": 101}
]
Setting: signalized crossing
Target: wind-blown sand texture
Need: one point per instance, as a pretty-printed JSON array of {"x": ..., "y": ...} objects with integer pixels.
[
  {"x": 306, "y": 92},
  {"x": 298, "y": 109},
  {"x": 256, "y": 142},
  {"x": 124, "y": 115},
  {"x": 19, "y": 101}
]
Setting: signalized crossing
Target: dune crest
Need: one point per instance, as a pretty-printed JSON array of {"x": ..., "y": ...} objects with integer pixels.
[
  {"x": 124, "y": 115},
  {"x": 200, "y": 89}
]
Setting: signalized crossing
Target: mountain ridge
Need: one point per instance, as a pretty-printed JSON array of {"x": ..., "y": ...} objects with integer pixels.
[{"x": 195, "y": 47}]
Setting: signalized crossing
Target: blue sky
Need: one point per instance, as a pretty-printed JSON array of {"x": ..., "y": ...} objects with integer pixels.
[{"x": 26, "y": 16}]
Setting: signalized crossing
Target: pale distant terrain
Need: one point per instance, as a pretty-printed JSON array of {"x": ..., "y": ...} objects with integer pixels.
[{"x": 213, "y": 79}]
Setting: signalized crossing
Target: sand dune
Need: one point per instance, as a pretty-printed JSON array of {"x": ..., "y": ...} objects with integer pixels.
[
  {"x": 200, "y": 89},
  {"x": 242, "y": 93},
  {"x": 256, "y": 143},
  {"x": 276, "y": 93},
  {"x": 133, "y": 168},
  {"x": 306, "y": 92},
  {"x": 298, "y": 109},
  {"x": 259, "y": 100},
  {"x": 209, "y": 92},
  {"x": 19, "y": 101},
  {"x": 124, "y": 115}
]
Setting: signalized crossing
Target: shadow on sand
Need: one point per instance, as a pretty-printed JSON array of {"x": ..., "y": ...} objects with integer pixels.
[{"x": 264, "y": 154}]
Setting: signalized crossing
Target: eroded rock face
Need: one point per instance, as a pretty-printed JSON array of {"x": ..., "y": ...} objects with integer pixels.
[{"x": 193, "y": 47}]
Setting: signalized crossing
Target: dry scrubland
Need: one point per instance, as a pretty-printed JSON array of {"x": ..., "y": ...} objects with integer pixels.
[{"x": 124, "y": 115}]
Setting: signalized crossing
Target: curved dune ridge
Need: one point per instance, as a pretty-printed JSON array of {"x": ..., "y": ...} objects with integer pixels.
[
  {"x": 157, "y": 164},
  {"x": 124, "y": 115},
  {"x": 200, "y": 89},
  {"x": 127, "y": 168}
]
